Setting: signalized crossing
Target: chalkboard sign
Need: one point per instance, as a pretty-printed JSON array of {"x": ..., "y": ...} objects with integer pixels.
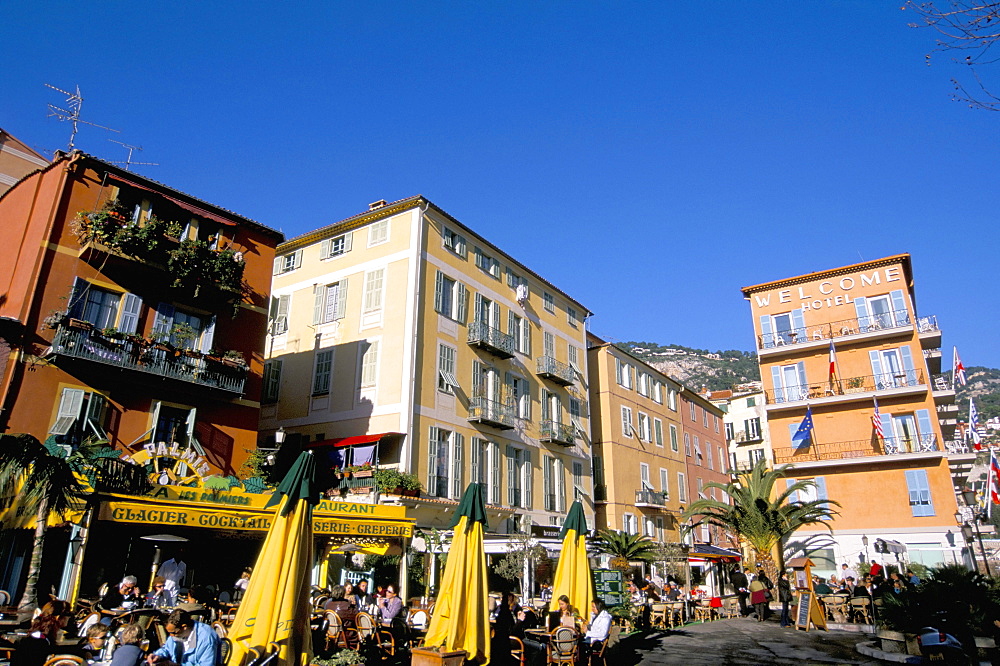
[
  {"x": 802, "y": 616},
  {"x": 610, "y": 586}
]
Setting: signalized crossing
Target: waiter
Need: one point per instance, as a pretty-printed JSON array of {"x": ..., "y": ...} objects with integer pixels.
[{"x": 173, "y": 571}]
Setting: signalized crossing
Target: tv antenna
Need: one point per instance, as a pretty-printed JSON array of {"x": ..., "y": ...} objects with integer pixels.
[
  {"x": 75, "y": 102},
  {"x": 128, "y": 161}
]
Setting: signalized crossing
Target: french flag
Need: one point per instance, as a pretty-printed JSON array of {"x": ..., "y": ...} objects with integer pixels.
[{"x": 833, "y": 363}]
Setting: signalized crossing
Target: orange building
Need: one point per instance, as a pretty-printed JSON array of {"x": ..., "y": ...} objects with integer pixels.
[
  {"x": 848, "y": 345},
  {"x": 142, "y": 322}
]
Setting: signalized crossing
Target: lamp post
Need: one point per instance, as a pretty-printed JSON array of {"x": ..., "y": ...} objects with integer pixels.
[
  {"x": 864, "y": 542},
  {"x": 969, "y": 496}
]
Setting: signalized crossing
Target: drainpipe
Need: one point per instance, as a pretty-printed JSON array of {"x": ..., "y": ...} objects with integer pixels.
[{"x": 405, "y": 454}]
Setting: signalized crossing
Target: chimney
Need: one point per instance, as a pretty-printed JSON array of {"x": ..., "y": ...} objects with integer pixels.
[{"x": 377, "y": 204}]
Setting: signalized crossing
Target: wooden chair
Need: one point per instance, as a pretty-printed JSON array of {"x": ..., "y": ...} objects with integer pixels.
[
  {"x": 4, "y": 598},
  {"x": 562, "y": 648},
  {"x": 658, "y": 615},
  {"x": 732, "y": 607},
  {"x": 861, "y": 609},
  {"x": 386, "y": 643},
  {"x": 366, "y": 627},
  {"x": 220, "y": 629},
  {"x": 675, "y": 615},
  {"x": 703, "y": 613},
  {"x": 65, "y": 660},
  {"x": 336, "y": 636},
  {"x": 596, "y": 656},
  {"x": 517, "y": 650},
  {"x": 225, "y": 650}
]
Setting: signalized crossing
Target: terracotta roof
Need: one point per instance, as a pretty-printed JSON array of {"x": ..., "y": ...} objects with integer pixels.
[{"x": 809, "y": 277}]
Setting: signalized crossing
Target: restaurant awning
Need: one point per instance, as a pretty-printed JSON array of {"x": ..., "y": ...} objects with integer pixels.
[
  {"x": 350, "y": 441},
  {"x": 704, "y": 551}
]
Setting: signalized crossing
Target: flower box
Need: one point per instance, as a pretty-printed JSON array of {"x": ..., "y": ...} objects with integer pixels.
[
  {"x": 431, "y": 657},
  {"x": 362, "y": 474},
  {"x": 363, "y": 490},
  {"x": 80, "y": 324}
]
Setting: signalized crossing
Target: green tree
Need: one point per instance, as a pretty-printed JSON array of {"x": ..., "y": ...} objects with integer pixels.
[
  {"x": 50, "y": 481},
  {"x": 760, "y": 514},
  {"x": 523, "y": 553},
  {"x": 632, "y": 547}
]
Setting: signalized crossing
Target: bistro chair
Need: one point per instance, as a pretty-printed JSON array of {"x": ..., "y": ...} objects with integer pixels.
[
  {"x": 596, "y": 656},
  {"x": 225, "y": 651},
  {"x": 366, "y": 627},
  {"x": 65, "y": 660},
  {"x": 861, "y": 609},
  {"x": 386, "y": 643},
  {"x": 732, "y": 607},
  {"x": 335, "y": 634},
  {"x": 658, "y": 615},
  {"x": 6, "y": 653},
  {"x": 517, "y": 650},
  {"x": 562, "y": 649},
  {"x": 4, "y": 598},
  {"x": 675, "y": 616},
  {"x": 220, "y": 629}
]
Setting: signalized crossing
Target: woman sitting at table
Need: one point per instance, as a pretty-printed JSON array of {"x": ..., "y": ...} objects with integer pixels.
[
  {"x": 338, "y": 604},
  {"x": 349, "y": 596},
  {"x": 43, "y": 634},
  {"x": 600, "y": 623},
  {"x": 566, "y": 614},
  {"x": 158, "y": 597},
  {"x": 129, "y": 652}
]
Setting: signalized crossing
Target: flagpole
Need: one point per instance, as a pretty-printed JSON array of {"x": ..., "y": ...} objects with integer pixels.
[
  {"x": 954, "y": 366},
  {"x": 988, "y": 494}
]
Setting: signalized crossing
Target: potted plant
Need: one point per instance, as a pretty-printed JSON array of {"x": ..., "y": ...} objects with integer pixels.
[
  {"x": 345, "y": 657},
  {"x": 172, "y": 231},
  {"x": 54, "y": 319},
  {"x": 79, "y": 324},
  {"x": 112, "y": 333},
  {"x": 234, "y": 359},
  {"x": 855, "y": 384},
  {"x": 183, "y": 335},
  {"x": 363, "y": 471}
]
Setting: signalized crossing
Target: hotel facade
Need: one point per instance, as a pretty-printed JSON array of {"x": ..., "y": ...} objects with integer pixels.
[{"x": 849, "y": 345}]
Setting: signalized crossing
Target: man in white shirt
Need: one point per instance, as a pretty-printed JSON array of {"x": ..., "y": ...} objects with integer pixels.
[
  {"x": 173, "y": 571},
  {"x": 847, "y": 572}
]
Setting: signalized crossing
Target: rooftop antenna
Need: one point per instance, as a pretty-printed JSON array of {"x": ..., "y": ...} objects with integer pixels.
[
  {"x": 75, "y": 102},
  {"x": 128, "y": 161}
]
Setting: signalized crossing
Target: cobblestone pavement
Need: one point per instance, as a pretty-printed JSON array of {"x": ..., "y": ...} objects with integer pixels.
[{"x": 742, "y": 642}]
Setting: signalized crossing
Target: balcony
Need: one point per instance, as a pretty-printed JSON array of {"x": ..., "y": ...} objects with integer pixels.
[
  {"x": 847, "y": 390},
  {"x": 554, "y": 432},
  {"x": 491, "y": 339},
  {"x": 886, "y": 324},
  {"x": 649, "y": 499},
  {"x": 933, "y": 358},
  {"x": 547, "y": 367},
  {"x": 930, "y": 334},
  {"x": 744, "y": 437},
  {"x": 862, "y": 448},
  {"x": 133, "y": 353},
  {"x": 491, "y": 413}
]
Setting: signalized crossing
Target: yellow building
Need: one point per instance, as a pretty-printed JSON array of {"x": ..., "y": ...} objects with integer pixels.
[
  {"x": 862, "y": 318},
  {"x": 401, "y": 327},
  {"x": 640, "y": 482}
]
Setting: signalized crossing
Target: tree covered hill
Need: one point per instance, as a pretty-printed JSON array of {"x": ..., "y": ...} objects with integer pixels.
[{"x": 984, "y": 387}]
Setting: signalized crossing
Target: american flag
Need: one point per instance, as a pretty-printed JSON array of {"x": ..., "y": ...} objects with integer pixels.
[
  {"x": 877, "y": 422},
  {"x": 957, "y": 370}
]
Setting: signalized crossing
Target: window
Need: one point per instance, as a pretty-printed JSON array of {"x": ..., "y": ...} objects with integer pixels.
[
  {"x": 520, "y": 393},
  {"x": 574, "y": 357},
  {"x": 658, "y": 392},
  {"x": 793, "y": 427},
  {"x": 715, "y": 420},
  {"x": 644, "y": 476},
  {"x": 687, "y": 444},
  {"x": 514, "y": 280},
  {"x": 446, "y": 369},
  {"x": 878, "y": 312},
  {"x": 814, "y": 492},
  {"x": 450, "y": 297},
  {"x": 629, "y": 524},
  {"x": 752, "y": 402},
  {"x": 548, "y": 302},
  {"x": 322, "y": 371},
  {"x": 893, "y": 368},
  {"x": 329, "y": 302},
  {"x": 554, "y": 485},
  {"x": 730, "y": 432},
  {"x": 549, "y": 344},
  {"x": 519, "y": 480},
  {"x": 444, "y": 477},
  {"x": 645, "y": 434},
  {"x": 642, "y": 383},
  {"x": 520, "y": 329},
  {"x": 789, "y": 382},
  {"x": 173, "y": 424},
  {"x": 484, "y": 465},
  {"x": 658, "y": 432},
  {"x": 627, "y": 428},
  {"x": 575, "y": 412},
  {"x": 660, "y": 529},
  {"x": 336, "y": 246},
  {"x": 701, "y": 488},
  {"x": 373, "y": 290},
  {"x": 665, "y": 483},
  {"x": 278, "y": 315},
  {"x": 704, "y": 417},
  {"x": 378, "y": 233},
  {"x": 696, "y": 446},
  {"x": 577, "y": 480},
  {"x": 167, "y": 317},
  {"x": 673, "y": 438},
  {"x": 752, "y": 427},
  {"x": 649, "y": 527},
  {"x": 623, "y": 373},
  {"x": 80, "y": 414},
  {"x": 551, "y": 406},
  {"x": 369, "y": 363},
  {"x": 571, "y": 317},
  {"x": 782, "y": 329},
  {"x": 682, "y": 493},
  {"x": 454, "y": 242},
  {"x": 287, "y": 263},
  {"x": 101, "y": 307},
  {"x": 692, "y": 408},
  {"x": 672, "y": 399},
  {"x": 920, "y": 492},
  {"x": 272, "y": 382},
  {"x": 487, "y": 263},
  {"x": 486, "y": 311},
  {"x": 708, "y": 455}
]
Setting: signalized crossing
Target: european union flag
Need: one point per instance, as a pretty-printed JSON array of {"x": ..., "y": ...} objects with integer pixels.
[{"x": 803, "y": 435}]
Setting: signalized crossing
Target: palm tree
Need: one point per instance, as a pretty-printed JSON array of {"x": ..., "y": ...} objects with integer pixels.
[
  {"x": 629, "y": 547},
  {"x": 761, "y": 515},
  {"x": 53, "y": 482}
]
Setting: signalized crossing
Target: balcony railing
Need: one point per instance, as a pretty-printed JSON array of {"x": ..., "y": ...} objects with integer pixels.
[
  {"x": 649, "y": 498},
  {"x": 884, "y": 321},
  {"x": 556, "y": 371},
  {"x": 131, "y": 354},
  {"x": 941, "y": 382},
  {"x": 742, "y": 437},
  {"x": 491, "y": 339},
  {"x": 491, "y": 413},
  {"x": 557, "y": 433},
  {"x": 866, "y": 384},
  {"x": 862, "y": 448}
]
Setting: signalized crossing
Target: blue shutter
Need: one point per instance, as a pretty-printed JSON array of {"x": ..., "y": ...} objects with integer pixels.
[
  {"x": 887, "y": 431},
  {"x": 876, "y": 361},
  {"x": 766, "y": 332},
  {"x": 803, "y": 383},
  {"x": 164, "y": 319},
  {"x": 821, "y": 491},
  {"x": 208, "y": 335},
  {"x": 900, "y": 316},
  {"x": 907, "y": 356},
  {"x": 799, "y": 324},
  {"x": 861, "y": 309},
  {"x": 794, "y": 497},
  {"x": 779, "y": 393},
  {"x": 926, "y": 428},
  {"x": 131, "y": 306},
  {"x": 798, "y": 443},
  {"x": 78, "y": 298},
  {"x": 920, "y": 492}
]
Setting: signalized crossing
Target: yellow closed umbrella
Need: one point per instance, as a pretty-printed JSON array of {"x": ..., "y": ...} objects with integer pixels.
[
  {"x": 461, "y": 619},
  {"x": 573, "y": 577},
  {"x": 276, "y": 606}
]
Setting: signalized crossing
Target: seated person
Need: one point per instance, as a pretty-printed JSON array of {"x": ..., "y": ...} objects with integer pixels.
[
  {"x": 567, "y": 614},
  {"x": 129, "y": 652},
  {"x": 190, "y": 643},
  {"x": 43, "y": 635},
  {"x": 390, "y": 606},
  {"x": 525, "y": 619},
  {"x": 92, "y": 645},
  {"x": 600, "y": 623},
  {"x": 820, "y": 586},
  {"x": 339, "y": 604},
  {"x": 197, "y": 603},
  {"x": 158, "y": 597},
  {"x": 127, "y": 592},
  {"x": 675, "y": 593}
]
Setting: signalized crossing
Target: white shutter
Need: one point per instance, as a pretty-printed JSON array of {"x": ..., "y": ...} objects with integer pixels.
[
  {"x": 319, "y": 300},
  {"x": 547, "y": 469},
  {"x": 495, "y": 315},
  {"x": 511, "y": 476},
  {"x": 439, "y": 293},
  {"x": 96, "y": 409},
  {"x": 463, "y": 300},
  {"x": 475, "y": 456},
  {"x": 324, "y": 249},
  {"x": 70, "y": 404},
  {"x": 477, "y": 306},
  {"x": 528, "y": 480},
  {"x": 341, "y": 311},
  {"x": 278, "y": 262},
  {"x": 164, "y": 319},
  {"x": 457, "y": 444},
  {"x": 280, "y": 324},
  {"x": 348, "y": 241},
  {"x": 131, "y": 307},
  {"x": 298, "y": 259},
  {"x": 494, "y": 455},
  {"x": 432, "y": 456},
  {"x": 192, "y": 442}
]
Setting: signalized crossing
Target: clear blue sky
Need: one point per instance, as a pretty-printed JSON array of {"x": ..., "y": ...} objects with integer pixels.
[{"x": 648, "y": 158}]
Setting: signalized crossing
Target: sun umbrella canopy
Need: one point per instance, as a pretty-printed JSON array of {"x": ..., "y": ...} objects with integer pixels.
[
  {"x": 573, "y": 577},
  {"x": 461, "y": 618},
  {"x": 276, "y": 605}
]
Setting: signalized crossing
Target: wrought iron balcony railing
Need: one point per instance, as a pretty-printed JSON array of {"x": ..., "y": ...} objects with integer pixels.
[
  {"x": 877, "y": 322},
  {"x": 134, "y": 354},
  {"x": 883, "y": 382},
  {"x": 491, "y": 339},
  {"x": 557, "y": 433},
  {"x": 556, "y": 371},
  {"x": 942, "y": 382},
  {"x": 649, "y": 498},
  {"x": 491, "y": 413},
  {"x": 862, "y": 448}
]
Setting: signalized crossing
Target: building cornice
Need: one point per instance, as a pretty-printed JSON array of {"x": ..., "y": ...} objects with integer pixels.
[{"x": 834, "y": 272}]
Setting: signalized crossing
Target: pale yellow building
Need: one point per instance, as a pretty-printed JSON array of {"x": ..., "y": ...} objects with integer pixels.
[
  {"x": 640, "y": 472},
  {"x": 401, "y": 326}
]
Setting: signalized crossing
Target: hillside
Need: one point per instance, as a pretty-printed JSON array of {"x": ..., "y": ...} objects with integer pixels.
[{"x": 984, "y": 386}]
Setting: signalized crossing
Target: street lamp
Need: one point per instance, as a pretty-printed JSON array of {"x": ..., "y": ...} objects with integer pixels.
[
  {"x": 969, "y": 495},
  {"x": 864, "y": 542},
  {"x": 279, "y": 436}
]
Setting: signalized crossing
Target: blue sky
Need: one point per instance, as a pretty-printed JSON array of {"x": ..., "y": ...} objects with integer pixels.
[{"x": 648, "y": 158}]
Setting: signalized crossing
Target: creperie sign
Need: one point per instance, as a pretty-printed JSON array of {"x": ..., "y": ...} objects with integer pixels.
[{"x": 829, "y": 293}]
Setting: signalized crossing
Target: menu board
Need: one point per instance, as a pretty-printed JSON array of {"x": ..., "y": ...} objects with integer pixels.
[
  {"x": 610, "y": 586},
  {"x": 802, "y": 616}
]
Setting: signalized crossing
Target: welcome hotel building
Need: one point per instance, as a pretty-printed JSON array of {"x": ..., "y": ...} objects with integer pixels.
[{"x": 864, "y": 319}]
